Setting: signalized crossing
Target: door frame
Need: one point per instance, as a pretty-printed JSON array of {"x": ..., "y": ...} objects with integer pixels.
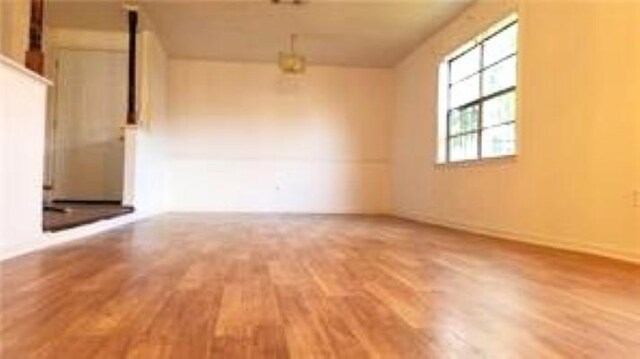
[{"x": 51, "y": 125}]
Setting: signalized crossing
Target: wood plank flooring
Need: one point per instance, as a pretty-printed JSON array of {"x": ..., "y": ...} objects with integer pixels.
[{"x": 278, "y": 286}]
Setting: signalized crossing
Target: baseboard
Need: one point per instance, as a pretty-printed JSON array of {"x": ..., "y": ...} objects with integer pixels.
[
  {"x": 52, "y": 239},
  {"x": 529, "y": 238},
  {"x": 276, "y": 211}
]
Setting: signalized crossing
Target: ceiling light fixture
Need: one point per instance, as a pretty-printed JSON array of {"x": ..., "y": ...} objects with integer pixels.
[
  {"x": 290, "y": 2},
  {"x": 291, "y": 62}
]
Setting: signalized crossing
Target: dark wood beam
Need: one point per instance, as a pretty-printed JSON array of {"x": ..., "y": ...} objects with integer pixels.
[
  {"x": 131, "y": 104},
  {"x": 34, "y": 59}
]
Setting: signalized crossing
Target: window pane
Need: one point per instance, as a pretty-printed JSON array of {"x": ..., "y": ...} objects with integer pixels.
[
  {"x": 500, "y": 45},
  {"x": 463, "y": 120},
  {"x": 465, "y": 65},
  {"x": 464, "y": 91},
  {"x": 463, "y": 148},
  {"x": 499, "y": 109},
  {"x": 499, "y": 77},
  {"x": 499, "y": 141}
]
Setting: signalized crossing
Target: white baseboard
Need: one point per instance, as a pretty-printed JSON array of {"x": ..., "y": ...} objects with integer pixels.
[
  {"x": 373, "y": 212},
  {"x": 536, "y": 239},
  {"x": 51, "y": 239}
]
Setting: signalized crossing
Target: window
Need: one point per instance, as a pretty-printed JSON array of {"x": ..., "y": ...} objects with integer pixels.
[{"x": 477, "y": 102}]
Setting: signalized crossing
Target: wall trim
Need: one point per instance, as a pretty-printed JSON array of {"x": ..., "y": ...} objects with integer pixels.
[
  {"x": 528, "y": 238},
  {"x": 279, "y": 211}
]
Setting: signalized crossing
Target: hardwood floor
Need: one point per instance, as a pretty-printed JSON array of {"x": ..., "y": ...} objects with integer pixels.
[{"x": 253, "y": 286}]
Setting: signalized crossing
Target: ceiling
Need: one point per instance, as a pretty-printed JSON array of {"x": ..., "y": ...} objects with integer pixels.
[
  {"x": 366, "y": 33},
  {"x": 99, "y": 15}
]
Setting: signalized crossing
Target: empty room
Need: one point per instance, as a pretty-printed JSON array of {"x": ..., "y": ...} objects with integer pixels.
[{"x": 319, "y": 179}]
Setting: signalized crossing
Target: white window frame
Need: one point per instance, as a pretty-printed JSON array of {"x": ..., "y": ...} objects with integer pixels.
[{"x": 444, "y": 85}]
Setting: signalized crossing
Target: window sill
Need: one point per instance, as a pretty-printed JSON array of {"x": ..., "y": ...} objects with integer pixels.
[{"x": 475, "y": 163}]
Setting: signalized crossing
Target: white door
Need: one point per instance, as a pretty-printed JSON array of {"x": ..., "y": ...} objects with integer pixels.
[{"x": 90, "y": 107}]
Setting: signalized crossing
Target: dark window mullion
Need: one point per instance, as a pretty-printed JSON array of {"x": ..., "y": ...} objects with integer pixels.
[
  {"x": 500, "y": 30},
  {"x": 465, "y": 133},
  {"x": 498, "y": 93},
  {"x": 499, "y": 125},
  {"x": 495, "y": 33},
  {"x": 463, "y": 53},
  {"x": 467, "y": 105},
  {"x": 481, "y": 69},
  {"x": 499, "y": 61},
  {"x": 483, "y": 98},
  {"x": 464, "y": 78},
  {"x": 480, "y": 104},
  {"x": 447, "y": 147}
]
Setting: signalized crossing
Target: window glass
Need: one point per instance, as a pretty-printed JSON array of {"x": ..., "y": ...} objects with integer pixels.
[
  {"x": 465, "y": 65},
  {"x": 463, "y": 147},
  {"x": 464, "y": 91},
  {"x": 499, "y": 109},
  {"x": 500, "y": 45},
  {"x": 499, "y": 76},
  {"x": 463, "y": 120},
  {"x": 499, "y": 141}
]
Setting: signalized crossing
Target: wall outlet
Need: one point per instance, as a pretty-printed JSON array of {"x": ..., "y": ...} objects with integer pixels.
[{"x": 635, "y": 199}]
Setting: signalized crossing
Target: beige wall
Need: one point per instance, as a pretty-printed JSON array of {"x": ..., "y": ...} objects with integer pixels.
[
  {"x": 243, "y": 137},
  {"x": 71, "y": 38},
  {"x": 14, "y": 28},
  {"x": 579, "y": 123}
]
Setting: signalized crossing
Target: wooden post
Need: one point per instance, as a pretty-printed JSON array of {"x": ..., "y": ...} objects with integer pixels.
[
  {"x": 131, "y": 104},
  {"x": 34, "y": 59}
]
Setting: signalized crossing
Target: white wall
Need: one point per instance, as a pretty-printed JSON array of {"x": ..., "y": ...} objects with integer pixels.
[
  {"x": 572, "y": 183},
  {"x": 22, "y": 120},
  {"x": 14, "y": 28},
  {"x": 146, "y": 162},
  {"x": 243, "y": 137}
]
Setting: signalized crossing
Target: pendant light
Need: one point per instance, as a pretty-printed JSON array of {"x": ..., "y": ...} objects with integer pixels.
[{"x": 291, "y": 62}]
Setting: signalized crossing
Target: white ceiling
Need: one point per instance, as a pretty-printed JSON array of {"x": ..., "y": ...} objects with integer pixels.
[
  {"x": 368, "y": 33},
  {"x": 100, "y": 15}
]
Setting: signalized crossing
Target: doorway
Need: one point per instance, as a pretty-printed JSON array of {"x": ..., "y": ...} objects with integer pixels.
[
  {"x": 90, "y": 105},
  {"x": 84, "y": 174}
]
